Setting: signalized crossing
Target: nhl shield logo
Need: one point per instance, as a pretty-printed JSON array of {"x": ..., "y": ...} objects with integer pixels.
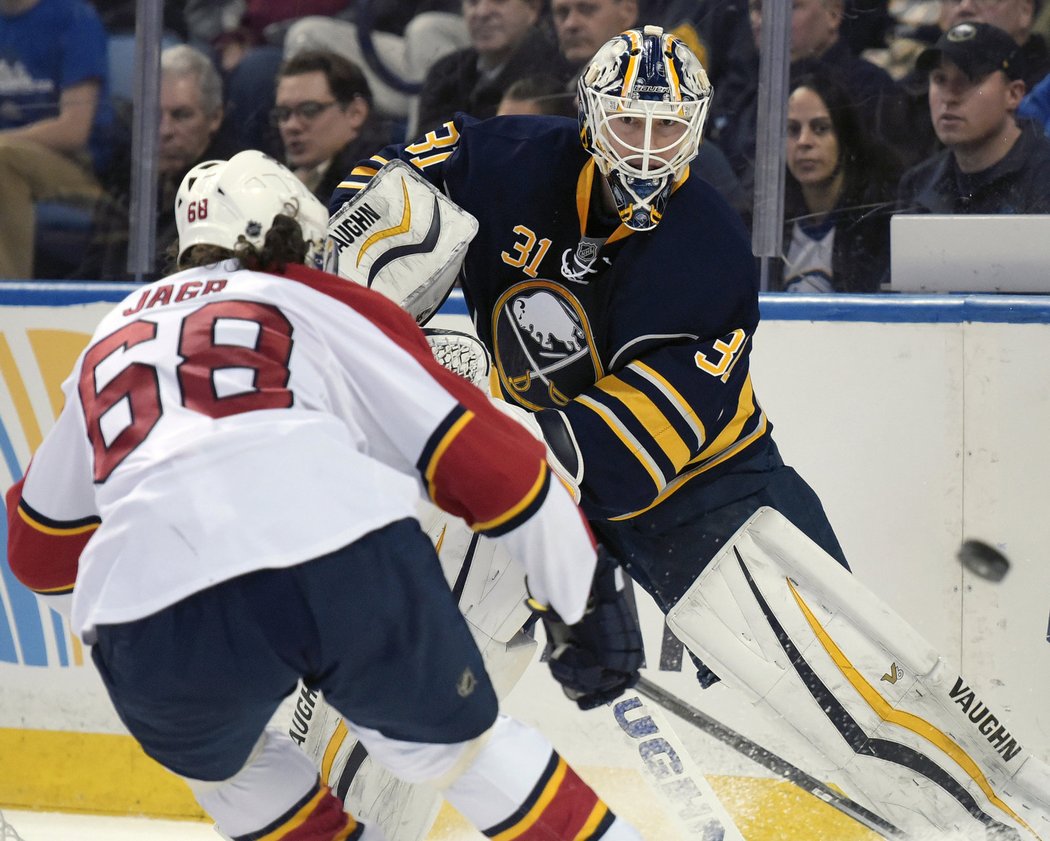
[{"x": 586, "y": 252}]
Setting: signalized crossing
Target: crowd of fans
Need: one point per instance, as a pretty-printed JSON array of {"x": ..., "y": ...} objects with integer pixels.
[{"x": 895, "y": 106}]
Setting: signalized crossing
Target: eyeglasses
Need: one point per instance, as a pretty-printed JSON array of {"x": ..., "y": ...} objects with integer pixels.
[{"x": 309, "y": 110}]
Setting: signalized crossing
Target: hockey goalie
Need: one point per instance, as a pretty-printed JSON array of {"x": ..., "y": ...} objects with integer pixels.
[{"x": 772, "y": 615}]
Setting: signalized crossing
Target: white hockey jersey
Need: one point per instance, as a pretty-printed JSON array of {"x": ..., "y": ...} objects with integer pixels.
[{"x": 223, "y": 420}]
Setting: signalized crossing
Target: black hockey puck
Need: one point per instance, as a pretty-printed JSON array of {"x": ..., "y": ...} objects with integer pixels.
[{"x": 983, "y": 560}]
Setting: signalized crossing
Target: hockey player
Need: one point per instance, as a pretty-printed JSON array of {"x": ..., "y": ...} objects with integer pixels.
[
  {"x": 618, "y": 298},
  {"x": 246, "y": 438}
]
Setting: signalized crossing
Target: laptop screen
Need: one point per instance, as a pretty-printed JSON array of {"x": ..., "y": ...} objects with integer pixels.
[{"x": 970, "y": 253}]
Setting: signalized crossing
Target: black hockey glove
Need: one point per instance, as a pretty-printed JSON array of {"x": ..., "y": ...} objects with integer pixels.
[{"x": 598, "y": 658}]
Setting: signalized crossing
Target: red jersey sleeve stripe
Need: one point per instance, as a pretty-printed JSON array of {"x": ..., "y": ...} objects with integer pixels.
[
  {"x": 493, "y": 493},
  {"x": 44, "y": 554},
  {"x": 439, "y": 443},
  {"x": 518, "y": 514}
]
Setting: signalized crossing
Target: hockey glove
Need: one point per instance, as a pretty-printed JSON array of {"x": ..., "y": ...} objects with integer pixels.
[{"x": 598, "y": 658}]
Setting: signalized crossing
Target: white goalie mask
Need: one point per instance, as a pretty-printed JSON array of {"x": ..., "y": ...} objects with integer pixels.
[
  {"x": 219, "y": 202},
  {"x": 643, "y": 99}
]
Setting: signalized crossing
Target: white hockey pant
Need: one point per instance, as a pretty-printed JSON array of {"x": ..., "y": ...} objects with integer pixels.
[
  {"x": 903, "y": 733},
  {"x": 277, "y": 790}
]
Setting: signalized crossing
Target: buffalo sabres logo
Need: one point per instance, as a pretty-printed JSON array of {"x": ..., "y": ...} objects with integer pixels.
[{"x": 543, "y": 345}]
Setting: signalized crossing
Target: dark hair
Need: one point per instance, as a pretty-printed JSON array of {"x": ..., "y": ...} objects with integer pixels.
[
  {"x": 547, "y": 91},
  {"x": 283, "y": 244},
  {"x": 870, "y": 169},
  {"x": 344, "y": 77}
]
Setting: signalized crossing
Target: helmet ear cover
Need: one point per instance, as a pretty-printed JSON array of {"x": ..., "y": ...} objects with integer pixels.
[
  {"x": 643, "y": 102},
  {"x": 223, "y": 203}
]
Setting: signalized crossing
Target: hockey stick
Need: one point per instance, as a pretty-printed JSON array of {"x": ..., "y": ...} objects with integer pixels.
[{"x": 755, "y": 752}]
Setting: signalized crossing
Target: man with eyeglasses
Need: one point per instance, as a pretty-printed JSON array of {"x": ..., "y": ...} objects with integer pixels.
[{"x": 323, "y": 114}]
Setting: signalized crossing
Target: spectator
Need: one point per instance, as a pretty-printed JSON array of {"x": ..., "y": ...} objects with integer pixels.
[
  {"x": 1015, "y": 17},
  {"x": 539, "y": 94},
  {"x": 839, "y": 194},
  {"x": 916, "y": 26},
  {"x": 815, "y": 41},
  {"x": 906, "y": 119},
  {"x": 722, "y": 30},
  {"x": 55, "y": 116},
  {"x": 991, "y": 164},
  {"x": 246, "y": 37},
  {"x": 582, "y": 26},
  {"x": 408, "y": 39},
  {"x": 324, "y": 116},
  {"x": 190, "y": 116},
  {"x": 866, "y": 24},
  {"x": 507, "y": 44}
]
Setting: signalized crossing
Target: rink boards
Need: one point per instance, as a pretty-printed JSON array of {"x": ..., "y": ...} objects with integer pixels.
[{"x": 920, "y": 422}]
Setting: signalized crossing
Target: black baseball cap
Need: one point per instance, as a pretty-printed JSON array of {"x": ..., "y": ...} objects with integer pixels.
[{"x": 975, "y": 48}]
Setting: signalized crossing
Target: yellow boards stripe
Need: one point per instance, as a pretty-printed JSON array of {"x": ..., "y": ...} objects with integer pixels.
[{"x": 51, "y": 770}]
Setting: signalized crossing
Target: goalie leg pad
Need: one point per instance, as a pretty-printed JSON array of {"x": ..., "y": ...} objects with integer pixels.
[{"x": 776, "y": 616}]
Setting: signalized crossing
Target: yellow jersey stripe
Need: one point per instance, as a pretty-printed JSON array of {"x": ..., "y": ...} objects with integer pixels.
[
  {"x": 745, "y": 408},
  {"x": 648, "y": 414},
  {"x": 628, "y": 440},
  {"x": 595, "y": 818},
  {"x": 55, "y": 531},
  {"x": 674, "y": 397},
  {"x": 681, "y": 481},
  {"x": 430, "y": 160},
  {"x": 445, "y": 443},
  {"x": 542, "y": 802}
]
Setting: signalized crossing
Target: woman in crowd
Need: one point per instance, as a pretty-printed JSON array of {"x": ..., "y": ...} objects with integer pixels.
[{"x": 839, "y": 194}]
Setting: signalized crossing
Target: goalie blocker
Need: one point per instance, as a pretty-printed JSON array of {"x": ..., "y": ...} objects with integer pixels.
[
  {"x": 401, "y": 237},
  {"x": 904, "y": 733}
]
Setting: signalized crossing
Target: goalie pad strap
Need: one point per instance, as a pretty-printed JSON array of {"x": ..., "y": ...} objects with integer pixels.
[{"x": 903, "y": 733}]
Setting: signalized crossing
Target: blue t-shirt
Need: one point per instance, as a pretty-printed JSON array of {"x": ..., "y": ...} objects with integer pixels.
[{"x": 46, "y": 49}]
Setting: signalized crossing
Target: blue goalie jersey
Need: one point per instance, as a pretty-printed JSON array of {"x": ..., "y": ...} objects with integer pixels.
[{"x": 634, "y": 346}]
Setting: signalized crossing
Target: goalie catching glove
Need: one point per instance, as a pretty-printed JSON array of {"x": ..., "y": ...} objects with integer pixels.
[{"x": 598, "y": 658}]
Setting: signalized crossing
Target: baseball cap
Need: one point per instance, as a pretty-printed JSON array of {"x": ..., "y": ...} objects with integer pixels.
[{"x": 975, "y": 48}]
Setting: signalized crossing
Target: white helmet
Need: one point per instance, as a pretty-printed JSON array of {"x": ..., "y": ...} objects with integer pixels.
[
  {"x": 221, "y": 201},
  {"x": 643, "y": 103}
]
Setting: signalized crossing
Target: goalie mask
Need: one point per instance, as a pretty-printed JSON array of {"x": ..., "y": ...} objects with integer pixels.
[
  {"x": 643, "y": 99},
  {"x": 219, "y": 202}
]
